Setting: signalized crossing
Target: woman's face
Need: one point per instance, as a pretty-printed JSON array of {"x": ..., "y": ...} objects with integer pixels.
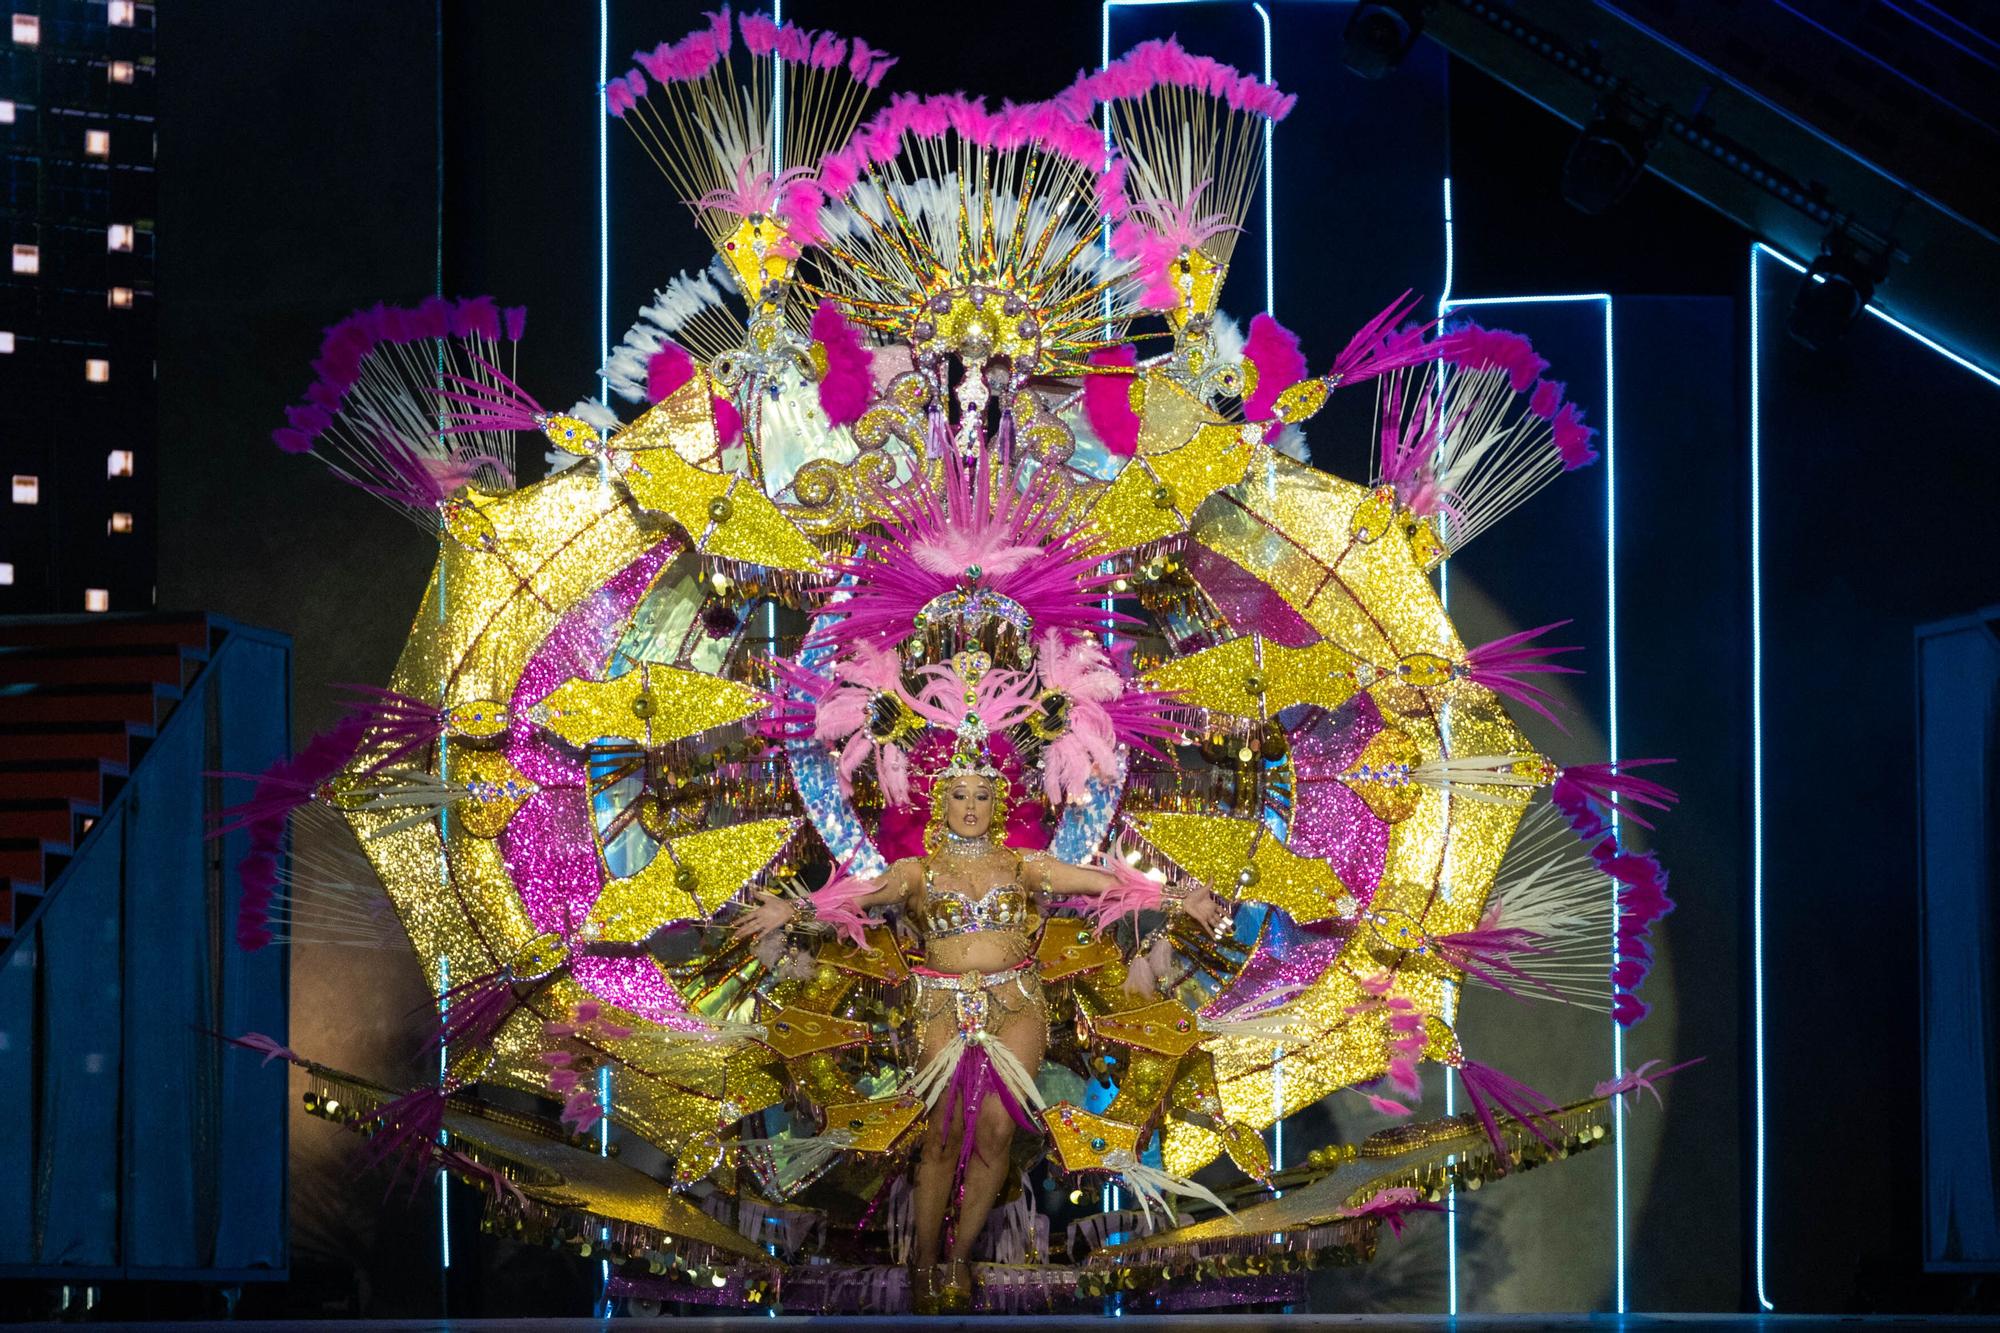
[{"x": 968, "y": 807}]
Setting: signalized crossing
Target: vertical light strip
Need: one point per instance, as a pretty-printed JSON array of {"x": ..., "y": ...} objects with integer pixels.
[
  {"x": 1619, "y": 1254},
  {"x": 1450, "y": 992},
  {"x": 603, "y": 200},
  {"x": 1611, "y": 694},
  {"x": 1270, "y": 181},
  {"x": 444, "y": 1177},
  {"x": 1761, "y": 1218},
  {"x": 604, "y": 1150},
  {"x": 444, "y": 874}
]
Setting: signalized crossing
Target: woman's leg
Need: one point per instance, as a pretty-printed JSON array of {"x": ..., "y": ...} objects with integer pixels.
[
  {"x": 936, "y": 1157},
  {"x": 1026, "y": 1034}
]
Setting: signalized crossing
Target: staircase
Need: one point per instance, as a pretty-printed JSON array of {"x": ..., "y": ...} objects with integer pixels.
[
  {"x": 81, "y": 698},
  {"x": 136, "y": 1148}
]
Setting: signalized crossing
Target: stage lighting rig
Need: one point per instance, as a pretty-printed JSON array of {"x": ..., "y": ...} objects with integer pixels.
[
  {"x": 1608, "y": 157},
  {"x": 1379, "y": 34},
  {"x": 1835, "y": 290}
]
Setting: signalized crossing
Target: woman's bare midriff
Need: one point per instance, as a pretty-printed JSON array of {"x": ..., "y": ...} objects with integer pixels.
[{"x": 980, "y": 951}]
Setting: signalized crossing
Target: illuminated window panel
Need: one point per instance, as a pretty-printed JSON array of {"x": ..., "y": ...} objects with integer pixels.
[
  {"x": 118, "y": 523},
  {"x": 118, "y": 236},
  {"x": 122, "y": 13},
  {"x": 96, "y": 599},
  {"x": 27, "y": 259},
  {"x": 119, "y": 298},
  {"x": 6, "y": 342},
  {"x": 6, "y": 574},
  {"x": 120, "y": 71},
  {"x": 97, "y": 370},
  {"x": 6, "y": 112},
  {"x": 97, "y": 143},
  {"x": 27, "y": 30},
  {"x": 119, "y": 464},
  {"x": 27, "y": 490}
]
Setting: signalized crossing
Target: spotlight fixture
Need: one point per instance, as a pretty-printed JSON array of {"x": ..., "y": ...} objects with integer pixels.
[
  {"x": 1834, "y": 291},
  {"x": 1379, "y": 34},
  {"x": 1607, "y": 159}
]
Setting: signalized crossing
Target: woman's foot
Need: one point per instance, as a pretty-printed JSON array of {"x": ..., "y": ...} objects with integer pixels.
[
  {"x": 955, "y": 1287},
  {"x": 924, "y": 1289}
]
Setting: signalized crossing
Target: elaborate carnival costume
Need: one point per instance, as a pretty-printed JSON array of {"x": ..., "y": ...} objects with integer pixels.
[{"x": 950, "y": 472}]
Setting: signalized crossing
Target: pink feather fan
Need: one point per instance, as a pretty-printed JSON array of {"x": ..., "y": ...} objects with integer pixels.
[{"x": 983, "y": 515}]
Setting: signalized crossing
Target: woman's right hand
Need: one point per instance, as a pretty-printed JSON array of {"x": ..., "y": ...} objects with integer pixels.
[{"x": 771, "y": 913}]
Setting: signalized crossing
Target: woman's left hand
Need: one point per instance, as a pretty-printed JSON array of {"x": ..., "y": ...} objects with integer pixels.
[{"x": 1206, "y": 908}]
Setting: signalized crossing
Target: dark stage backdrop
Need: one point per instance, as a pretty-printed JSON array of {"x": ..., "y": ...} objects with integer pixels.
[{"x": 326, "y": 158}]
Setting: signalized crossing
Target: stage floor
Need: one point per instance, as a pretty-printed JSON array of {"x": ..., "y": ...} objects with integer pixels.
[{"x": 1245, "y": 1323}]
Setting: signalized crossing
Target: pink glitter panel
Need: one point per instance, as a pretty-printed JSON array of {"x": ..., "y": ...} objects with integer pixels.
[
  {"x": 635, "y": 984},
  {"x": 551, "y": 853},
  {"x": 1329, "y": 821},
  {"x": 1247, "y": 602}
]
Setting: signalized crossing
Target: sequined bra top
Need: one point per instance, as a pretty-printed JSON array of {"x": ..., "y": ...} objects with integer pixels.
[{"x": 948, "y": 912}]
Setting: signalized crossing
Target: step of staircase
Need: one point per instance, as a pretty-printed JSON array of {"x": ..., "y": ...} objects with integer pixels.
[
  {"x": 55, "y": 820},
  {"x": 91, "y": 781},
  {"x": 114, "y": 742},
  {"x": 172, "y": 664},
  {"x": 139, "y": 705}
]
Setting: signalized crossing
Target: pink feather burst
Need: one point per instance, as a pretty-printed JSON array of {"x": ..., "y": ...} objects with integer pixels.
[
  {"x": 1107, "y": 400},
  {"x": 1162, "y": 62},
  {"x": 1274, "y": 350},
  {"x": 982, "y": 511},
  {"x": 666, "y": 371},
  {"x": 1385, "y": 344},
  {"x": 849, "y": 382}
]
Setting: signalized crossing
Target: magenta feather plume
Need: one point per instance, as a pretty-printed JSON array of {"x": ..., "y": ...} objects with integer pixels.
[
  {"x": 403, "y": 1134},
  {"x": 1383, "y": 345},
  {"x": 398, "y": 726},
  {"x": 728, "y": 421},
  {"x": 666, "y": 371},
  {"x": 1107, "y": 400},
  {"x": 281, "y": 788},
  {"x": 1394, "y": 1204},
  {"x": 1641, "y": 1080},
  {"x": 849, "y": 382},
  {"x": 269, "y": 1047},
  {"x": 1162, "y": 62},
  {"x": 1488, "y": 953},
  {"x": 1385, "y": 1105},
  {"x": 497, "y": 403},
  {"x": 1493, "y": 1094},
  {"x": 1572, "y": 438},
  {"x": 470, "y": 1013},
  {"x": 1478, "y": 349},
  {"x": 1274, "y": 350},
  {"x": 1611, "y": 786},
  {"x": 1503, "y": 665}
]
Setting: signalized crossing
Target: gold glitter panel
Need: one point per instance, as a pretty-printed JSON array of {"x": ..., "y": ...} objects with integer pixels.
[
  {"x": 651, "y": 704},
  {"x": 1250, "y": 678},
  {"x": 688, "y": 879}
]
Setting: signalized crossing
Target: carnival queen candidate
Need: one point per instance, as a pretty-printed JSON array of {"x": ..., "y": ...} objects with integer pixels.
[{"x": 976, "y": 903}]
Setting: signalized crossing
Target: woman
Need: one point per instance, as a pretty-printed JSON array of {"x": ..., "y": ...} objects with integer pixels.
[{"x": 981, "y": 1018}]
